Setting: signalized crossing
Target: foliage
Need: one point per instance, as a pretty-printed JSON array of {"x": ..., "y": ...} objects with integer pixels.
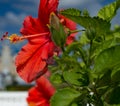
[{"x": 88, "y": 70}]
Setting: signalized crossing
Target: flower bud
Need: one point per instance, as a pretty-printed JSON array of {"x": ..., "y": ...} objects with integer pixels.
[
  {"x": 57, "y": 30},
  {"x": 90, "y": 33}
]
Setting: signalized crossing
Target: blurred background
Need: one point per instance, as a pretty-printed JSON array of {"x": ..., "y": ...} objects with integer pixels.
[{"x": 12, "y": 14}]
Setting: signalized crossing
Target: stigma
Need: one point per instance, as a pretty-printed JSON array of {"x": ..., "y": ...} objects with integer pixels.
[{"x": 14, "y": 38}]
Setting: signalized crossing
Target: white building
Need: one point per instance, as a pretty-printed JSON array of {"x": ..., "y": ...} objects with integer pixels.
[{"x": 8, "y": 72}]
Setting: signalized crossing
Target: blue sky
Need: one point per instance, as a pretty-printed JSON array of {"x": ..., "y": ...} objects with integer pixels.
[{"x": 13, "y": 12}]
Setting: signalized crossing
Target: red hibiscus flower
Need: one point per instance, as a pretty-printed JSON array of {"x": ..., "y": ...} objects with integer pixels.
[
  {"x": 40, "y": 94},
  {"x": 31, "y": 61}
]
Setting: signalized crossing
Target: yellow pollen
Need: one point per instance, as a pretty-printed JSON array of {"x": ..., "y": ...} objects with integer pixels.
[{"x": 14, "y": 38}]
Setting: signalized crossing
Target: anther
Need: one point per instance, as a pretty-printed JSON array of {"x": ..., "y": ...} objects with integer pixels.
[{"x": 4, "y": 36}]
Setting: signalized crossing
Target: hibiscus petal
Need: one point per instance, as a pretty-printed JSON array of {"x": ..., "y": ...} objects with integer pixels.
[
  {"x": 45, "y": 8},
  {"x": 40, "y": 94},
  {"x": 30, "y": 61},
  {"x": 36, "y": 97},
  {"x": 31, "y": 26},
  {"x": 45, "y": 86}
]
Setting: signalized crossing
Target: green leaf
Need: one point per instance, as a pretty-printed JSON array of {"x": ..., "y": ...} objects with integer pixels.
[
  {"x": 72, "y": 47},
  {"x": 83, "y": 39},
  {"x": 99, "y": 47},
  {"x": 69, "y": 62},
  {"x": 103, "y": 83},
  {"x": 116, "y": 77},
  {"x": 56, "y": 78},
  {"x": 99, "y": 25},
  {"x": 64, "y": 97},
  {"x": 85, "y": 13},
  {"x": 90, "y": 33},
  {"x": 74, "y": 104},
  {"x": 109, "y": 11},
  {"x": 105, "y": 79},
  {"x": 72, "y": 11},
  {"x": 102, "y": 90},
  {"x": 76, "y": 47},
  {"x": 76, "y": 77},
  {"x": 107, "y": 59},
  {"x": 113, "y": 97}
]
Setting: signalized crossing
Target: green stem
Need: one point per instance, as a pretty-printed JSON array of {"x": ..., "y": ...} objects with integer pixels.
[
  {"x": 89, "y": 56},
  {"x": 98, "y": 101},
  {"x": 75, "y": 31}
]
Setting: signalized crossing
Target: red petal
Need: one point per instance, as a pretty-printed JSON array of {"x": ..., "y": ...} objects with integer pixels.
[
  {"x": 70, "y": 38},
  {"x": 36, "y": 97},
  {"x": 68, "y": 23},
  {"x": 45, "y": 8},
  {"x": 41, "y": 93},
  {"x": 72, "y": 26},
  {"x": 45, "y": 86},
  {"x": 30, "y": 61},
  {"x": 31, "y": 26}
]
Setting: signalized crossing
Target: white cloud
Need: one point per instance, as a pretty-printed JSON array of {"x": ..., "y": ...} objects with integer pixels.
[
  {"x": 27, "y": 6},
  {"x": 27, "y": 9},
  {"x": 11, "y": 22},
  {"x": 13, "y": 18}
]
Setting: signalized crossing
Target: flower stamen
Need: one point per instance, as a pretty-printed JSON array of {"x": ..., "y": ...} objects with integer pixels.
[{"x": 15, "y": 38}]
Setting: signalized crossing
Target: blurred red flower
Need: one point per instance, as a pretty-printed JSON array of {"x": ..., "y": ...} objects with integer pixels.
[
  {"x": 40, "y": 94},
  {"x": 31, "y": 60}
]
